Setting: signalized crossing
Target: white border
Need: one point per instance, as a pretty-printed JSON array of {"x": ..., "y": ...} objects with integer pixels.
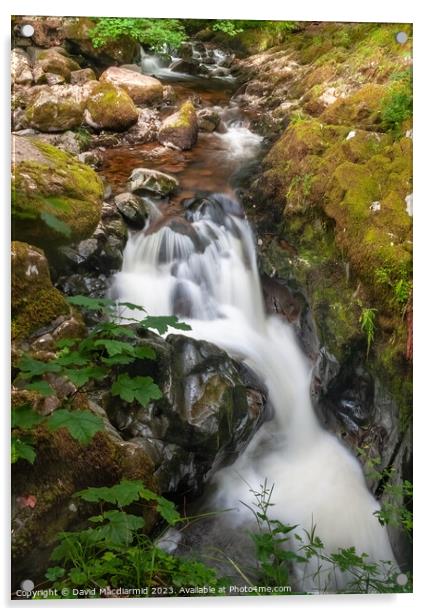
[{"x": 307, "y": 10}]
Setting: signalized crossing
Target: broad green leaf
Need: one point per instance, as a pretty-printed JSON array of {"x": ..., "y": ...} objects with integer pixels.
[
  {"x": 140, "y": 388},
  {"x": 81, "y": 376},
  {"x": 25, "y": 417},
  {"x": 144, "y": 352},
  {"x": 115, "y": 347},
  {"x": 82, "y": 425},
  {"x": 55, "y": 223},
  {"x": 167, "y": 510},
  {"x": 21, "y": 449},
  {"x": 161, "y": 324},
  {"x": 42, "y": 387},
  {"x": 72, "y": 358},
  {"x": 33, "y": 367},
  {"x": 118, "y": 530},
  {"x": 122, "y": 494},
  {"x": 90, "y": 303}
]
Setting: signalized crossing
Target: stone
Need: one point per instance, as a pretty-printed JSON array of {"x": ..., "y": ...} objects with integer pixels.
[
  {"x": 55, "y": 198},
  {"x": 208, "y": 120},
  {"x": 51, "y": 61},
  {"x": 180, "y": 130},
  {"x": 133, "y": 209},
  {"x": 82, "y": 75},
  {"x": 142, "y": 89},
  {"x": 21, "y": 72},
  {"x": 35, "y": 302},
  {"x": 191, "y": 67},
  {"x": 109, "y": 107},
  {"x": 56, "y": 108},
  {"x": 169, "y": 95},
  {"x": 151, "y": 181}
]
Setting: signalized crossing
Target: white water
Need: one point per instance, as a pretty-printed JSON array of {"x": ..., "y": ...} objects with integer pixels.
[{"x": 214, "y": 279}]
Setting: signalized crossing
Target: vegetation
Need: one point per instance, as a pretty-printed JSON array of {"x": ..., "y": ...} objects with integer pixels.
[
  {"x": 102, "y": 356},
  {"x": 153, "y": 33},
  {"x": 367, "y": 320}
]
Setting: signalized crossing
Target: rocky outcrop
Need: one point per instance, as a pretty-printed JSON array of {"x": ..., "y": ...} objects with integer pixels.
[
  {"x": 55, "y": 199},
  {"x": 35, "y": 302},
  {"x": 109, "y": 107},
  {"x": 142, "y": 89},
  {"x": 180, "y": 130},
  {"x": 150, "y": 181},
  {"x": 211, "y": 407}
]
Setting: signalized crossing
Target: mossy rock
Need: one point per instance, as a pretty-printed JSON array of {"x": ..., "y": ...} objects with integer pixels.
[
  {"x": 181, "y": 128},
  {"x": 55, "y": 198},
  {"x": 362, "y": 109},
  {"x": 109, "y": 107},
  {"x": 51, "y": 61},
  {"x": 56, "y": 109},
  {"x": 35, "y": 302}
]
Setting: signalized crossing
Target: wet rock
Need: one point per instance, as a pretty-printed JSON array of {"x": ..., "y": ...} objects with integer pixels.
[
  {"x": 208, "y": 120},
  {"x": 214, "y": 207},
  {"x": 151, "y": 181},
  {"x": 180, "y": 130},
  {"x": 35, "y": 302},
  {"x": 55, "y": 198},
  {"x": 81, "y": 76},
  {"x": 133, "y": 209},
  {"x": 21, "y": 72},
  {"x": 109, "y": 107},
  {"x": 56, "y": 108},
  {"x": 191, "y": 67},
  {"x": 142, "y": 89},
  {"x": 169, "y": 95},
  {"x": 211, "y": 407},
  {"x": 93, "y": 158}
]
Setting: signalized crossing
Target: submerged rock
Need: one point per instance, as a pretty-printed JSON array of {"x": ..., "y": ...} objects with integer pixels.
[
  {"x": 152, "y": 181},
  {"x": 142, "y": 89},
  {"x": 180, "y": 130}
]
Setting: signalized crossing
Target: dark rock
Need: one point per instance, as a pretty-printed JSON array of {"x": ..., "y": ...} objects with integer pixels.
[{"x": 133, "y": 208}]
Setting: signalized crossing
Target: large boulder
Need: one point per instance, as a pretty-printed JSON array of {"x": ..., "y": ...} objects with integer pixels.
[
  {"x": 55, "y": 109},
  {"x": 53, "y": 62},
  {"x": 21, "y": 72},
  {"x": 109, "y": 107},
  {"x": 35, "y": 302},
  {"x": 180, "y": 130},
  {"x": 55, "y": 199},
  {"x": 151, "y": 181},
  {"x": 122, "y": 50},
  {"x": 142, "y": 89},
  {"x": 210, "y": 408}
]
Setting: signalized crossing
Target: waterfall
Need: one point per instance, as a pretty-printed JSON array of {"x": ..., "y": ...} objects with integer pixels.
[{"x": 205, "y": 271}]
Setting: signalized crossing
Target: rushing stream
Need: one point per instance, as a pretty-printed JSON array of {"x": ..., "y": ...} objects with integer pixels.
[{"x": 205, "y": 271}]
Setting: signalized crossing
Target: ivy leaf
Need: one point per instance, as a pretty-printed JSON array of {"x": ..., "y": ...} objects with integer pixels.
[
  {"x": 42, "y": 387},
  {"x": 56, "y": 224},
  {"x": 161, "y": 324},
  {"x": 82, "y": 425},
  {"x": 21, "y": 449},
  {"x": 140, "y": 388},
  {"x": 25, "y": 417}
]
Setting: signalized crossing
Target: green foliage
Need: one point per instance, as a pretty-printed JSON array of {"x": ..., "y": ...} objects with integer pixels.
[
  {"x": 231, "y": 28},
  {"x": 153, "y": 33},
  {"x": 402, "y": 291},
  {"x": 397, "y": 106},
  {"x": 102, "y": 356},
  {"x": 114, "y": 552},
  {"x": 367, "y": 320}
]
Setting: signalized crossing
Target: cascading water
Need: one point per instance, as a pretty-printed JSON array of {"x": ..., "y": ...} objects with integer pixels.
[{"x": 207, "y": 274}]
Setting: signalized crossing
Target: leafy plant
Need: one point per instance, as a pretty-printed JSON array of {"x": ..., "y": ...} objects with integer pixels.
[
  {"x": 396, "y": 107},
  {"x": 153, "y": 33},
  {"x": 367, "y": 320},
  {"x": 402, "y": 291},
  {"x": 113, "y": 552},
  {"x": 102, "y": 356}
]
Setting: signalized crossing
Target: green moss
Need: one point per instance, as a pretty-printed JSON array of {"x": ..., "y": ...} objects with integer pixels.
[
  {"x": 185, "y": 117},
  {"x": 111, "y": 107},
  {"x": 60, "y": 185}
]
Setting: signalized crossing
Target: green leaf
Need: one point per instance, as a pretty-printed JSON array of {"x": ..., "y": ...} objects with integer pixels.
[
  {"x": 33, "y": 367},
  {"x": 90, "y": 303},
  {"x": 82, "y": 425},
  {"x": 55, "y": 223},
  {"x": 25, "y": 417},
  {"x": 140, "y": 388},
  {"x": 115, "y": 347},
  {"x": 54, "y": 573},
  {"x": 144, "y": 352},
  {"x": 21, "y": 449},
  {"x": 118, "y": 530},
  {"x": 81, "y": 376},
  {"x": 161, "y": 324},
  {"x": 42, "y": 387},
  {"x": 122, "y": 494},
  {"x": 167, "y": 510}
]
